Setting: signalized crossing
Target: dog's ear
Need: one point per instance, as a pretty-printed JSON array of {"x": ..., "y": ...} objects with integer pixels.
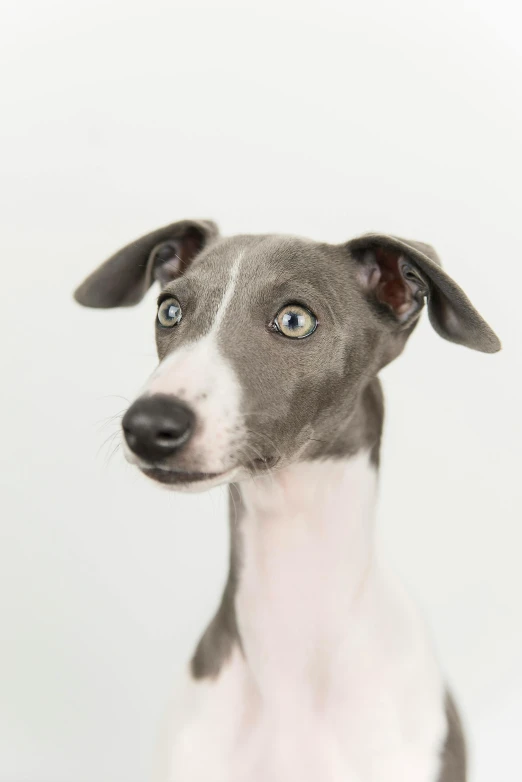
[
  {"x": 159, "y": 256},
  {"x": 399, "y": 275}
]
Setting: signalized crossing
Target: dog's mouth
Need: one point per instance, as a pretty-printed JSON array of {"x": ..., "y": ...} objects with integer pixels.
[
  {"x": 184, "y": 479},
  {"x": 194, "y": 480},
  {"x": 179, "y": 477}
]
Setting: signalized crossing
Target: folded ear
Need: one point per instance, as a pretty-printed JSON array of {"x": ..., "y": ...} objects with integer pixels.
[
  {"x": 159, "y": 256},
  {"x": 399, "y": 274}
]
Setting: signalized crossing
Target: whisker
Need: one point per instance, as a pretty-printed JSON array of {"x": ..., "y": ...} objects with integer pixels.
[
  {"x": 270, "y": 440},
  {"x": 112, "y": 454},
  {"x": 104, "y": 422},
  {"x": 108, "y": 441},
  {"x": 268, "y": 471},
  {"x": 250, "y": 463},
  {"x": 115, "y": 396}
]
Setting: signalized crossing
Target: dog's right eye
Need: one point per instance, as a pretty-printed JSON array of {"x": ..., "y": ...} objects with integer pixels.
[{"x": 169, "y": 313}]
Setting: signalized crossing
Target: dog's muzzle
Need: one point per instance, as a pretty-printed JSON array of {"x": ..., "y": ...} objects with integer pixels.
[{"x": 158, "y": 426}]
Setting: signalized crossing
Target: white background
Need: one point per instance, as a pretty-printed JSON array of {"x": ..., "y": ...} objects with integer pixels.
[{"x": 322, "y": 120}]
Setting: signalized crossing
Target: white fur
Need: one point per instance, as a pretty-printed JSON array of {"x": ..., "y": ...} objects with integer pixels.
[
  {"x": 199, "y": 374},
  {"x": 336, "y": 681}
]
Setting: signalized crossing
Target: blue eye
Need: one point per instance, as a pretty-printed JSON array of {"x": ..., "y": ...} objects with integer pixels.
[
  {"x": 295, "y": 321},
  {"x": 169, "y": 313}
]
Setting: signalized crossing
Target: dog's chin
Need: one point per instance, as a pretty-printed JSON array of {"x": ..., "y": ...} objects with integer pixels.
[{"x": 180, "y": 480}]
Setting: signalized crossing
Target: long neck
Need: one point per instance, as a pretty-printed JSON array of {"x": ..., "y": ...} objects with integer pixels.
[
  {"x": 306, "y": 543},
  {"x": 301, "y": 555}
]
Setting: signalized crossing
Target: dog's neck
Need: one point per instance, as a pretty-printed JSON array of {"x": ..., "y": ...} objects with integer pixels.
[
  {"x": 301, "y": 557},
  {"x": 306, "y": 553}
]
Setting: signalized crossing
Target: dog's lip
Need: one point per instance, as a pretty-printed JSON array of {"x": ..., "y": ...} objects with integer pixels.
[{"x": 162, "y": 475}]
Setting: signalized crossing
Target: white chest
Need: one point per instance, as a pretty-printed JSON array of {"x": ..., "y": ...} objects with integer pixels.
[{"x": 335, "y": 680}]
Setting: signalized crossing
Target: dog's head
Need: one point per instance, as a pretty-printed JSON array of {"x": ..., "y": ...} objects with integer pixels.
[{"x": 268, "y": 344}]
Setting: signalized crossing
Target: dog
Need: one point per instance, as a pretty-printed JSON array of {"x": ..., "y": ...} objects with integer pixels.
[{"x": 316, "y": 666}]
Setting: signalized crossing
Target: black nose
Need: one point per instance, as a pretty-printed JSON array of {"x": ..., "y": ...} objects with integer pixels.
[{"x": 157, "y": 426}]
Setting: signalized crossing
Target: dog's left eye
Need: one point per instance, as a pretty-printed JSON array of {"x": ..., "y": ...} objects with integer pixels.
[
  {"x": 295, "y": 321},
  {"x": 169, "y": 313}
]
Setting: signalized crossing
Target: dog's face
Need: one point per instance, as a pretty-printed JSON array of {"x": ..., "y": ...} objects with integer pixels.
[{"x": 267, "y": 344}]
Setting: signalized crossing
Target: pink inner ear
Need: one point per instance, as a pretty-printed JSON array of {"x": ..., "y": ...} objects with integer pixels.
[{"x": 389, "y": 284}]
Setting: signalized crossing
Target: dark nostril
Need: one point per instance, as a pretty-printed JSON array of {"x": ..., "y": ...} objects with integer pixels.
[
  {"x": 167, "y": 435},
  {"x": 156, "y": 427}
]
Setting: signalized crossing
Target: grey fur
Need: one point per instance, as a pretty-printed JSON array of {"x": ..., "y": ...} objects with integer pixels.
[
  {"x": 125, "y": 277},
  {"x": 453, "y": 758},
  {"x": 222, "y": 634}
]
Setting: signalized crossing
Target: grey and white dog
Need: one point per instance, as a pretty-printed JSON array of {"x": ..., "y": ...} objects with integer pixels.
[{"x": 316, "y": 666}]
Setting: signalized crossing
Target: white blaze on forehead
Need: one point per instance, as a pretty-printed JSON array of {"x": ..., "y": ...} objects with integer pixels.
[
  {"x": 202, "y": 377},
  {"x": 227, "y": 295}
]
